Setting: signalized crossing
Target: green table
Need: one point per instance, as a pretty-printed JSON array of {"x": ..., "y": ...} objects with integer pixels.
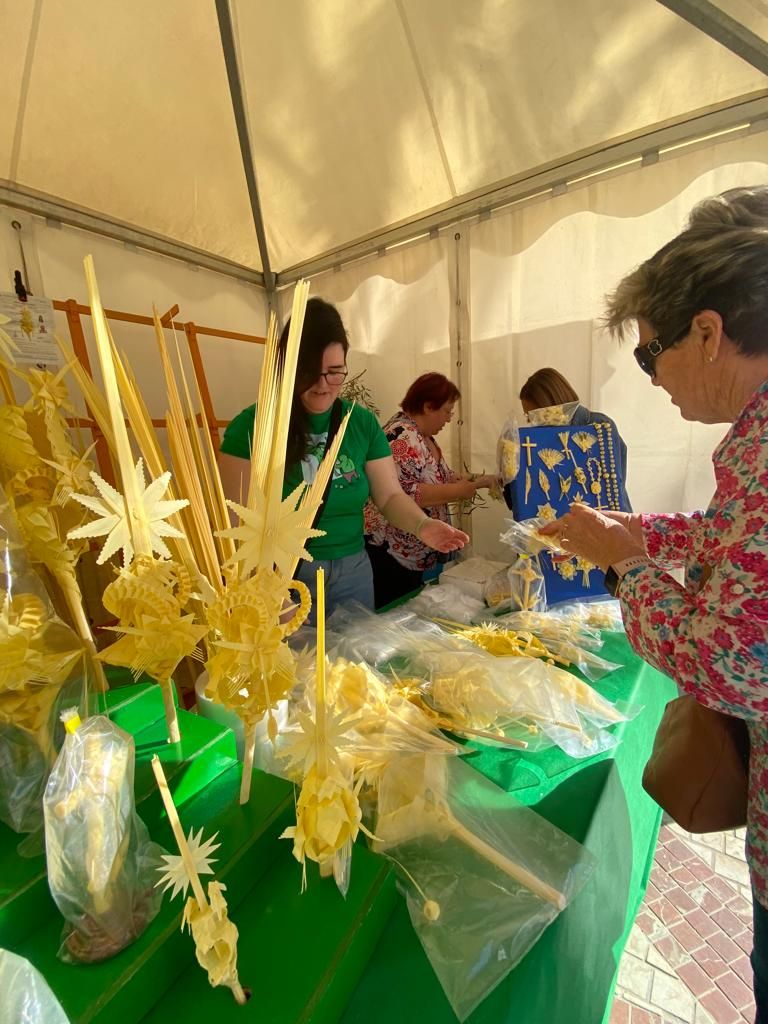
[{"x": 569, "y": 975}]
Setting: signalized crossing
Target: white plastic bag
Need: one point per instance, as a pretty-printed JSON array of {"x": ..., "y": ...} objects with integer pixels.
[{"x": 25, "y": 997}]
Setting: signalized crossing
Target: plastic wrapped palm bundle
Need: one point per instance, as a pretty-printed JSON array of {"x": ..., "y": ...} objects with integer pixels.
[
  {"x": 102, "y": 865},
  {"x": 520, "y": 701},
  {"x": 42, "y": 664},
  {"x": 508, "y": 451},
  {"x": 347, "y": 729},
  {"x": 27, "y": 999},
  {"x": 483, "y": 876}
]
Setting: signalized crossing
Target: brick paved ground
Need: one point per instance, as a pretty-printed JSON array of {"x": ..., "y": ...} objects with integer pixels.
[{"x": 687, "y": 959}]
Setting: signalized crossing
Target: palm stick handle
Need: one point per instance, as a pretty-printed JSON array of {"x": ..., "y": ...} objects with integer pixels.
[
  {"x": 178, "y": 832},
  {"x": 509, "y": 867}
]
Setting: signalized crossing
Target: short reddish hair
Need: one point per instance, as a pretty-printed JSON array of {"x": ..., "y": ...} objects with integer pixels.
[{"x": 429, "y": 389}]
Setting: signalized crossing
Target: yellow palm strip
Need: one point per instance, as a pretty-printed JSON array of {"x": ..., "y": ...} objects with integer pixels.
[
  {"x": 226, "y": 544},
  {"x": 266, "y": 411},
  {"x": 184, "y": 464},
  {"x": 208, "y": 477},
  {"x": 146, "y": 439},
  {"x": 134, "y": 507},
  {"x": 273, "y": 492},
  {"x": 93, "y": 397},
  {"x": 313, "y": 496}
]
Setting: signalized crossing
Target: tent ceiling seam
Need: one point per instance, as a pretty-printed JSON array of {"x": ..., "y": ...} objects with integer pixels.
[
  {"x": 752, "y": 110},
  {"x": 59, "y": 211},
  {"x": 427, "y": 96},
  {"x": 725, "y": 30},
  {"x": 26, "y": 76},
  {"x": 234, "y": 80}
]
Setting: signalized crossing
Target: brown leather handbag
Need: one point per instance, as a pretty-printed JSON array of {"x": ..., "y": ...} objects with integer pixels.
[{"x": 698, "y": 770}]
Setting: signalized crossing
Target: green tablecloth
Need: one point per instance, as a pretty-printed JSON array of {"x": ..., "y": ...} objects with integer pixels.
[{"x": 568, "y": 977}]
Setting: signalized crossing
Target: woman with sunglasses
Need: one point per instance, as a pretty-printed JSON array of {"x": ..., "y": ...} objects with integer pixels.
[
  {"x": 701, "y": 307},
  {"x": 364, "y": 466}
]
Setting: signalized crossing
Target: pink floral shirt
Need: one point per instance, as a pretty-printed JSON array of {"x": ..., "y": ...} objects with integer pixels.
[
  {"x": 416, "y": 466},
  {"x": 711, "y": 635}
]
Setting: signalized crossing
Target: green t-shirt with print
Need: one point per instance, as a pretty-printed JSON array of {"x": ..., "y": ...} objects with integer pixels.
[{"x": 342, "y": 518}]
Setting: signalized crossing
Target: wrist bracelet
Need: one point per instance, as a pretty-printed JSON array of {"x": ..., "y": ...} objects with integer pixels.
[{"x": 417, "y": 531}]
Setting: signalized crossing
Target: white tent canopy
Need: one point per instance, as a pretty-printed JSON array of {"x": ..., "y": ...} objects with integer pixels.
[
  {"x": 465, "y": 180},
  {"x": 362, "y": 114}
]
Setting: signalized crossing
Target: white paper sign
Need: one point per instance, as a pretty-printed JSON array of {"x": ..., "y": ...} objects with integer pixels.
[{"x": 31, "y": 326}]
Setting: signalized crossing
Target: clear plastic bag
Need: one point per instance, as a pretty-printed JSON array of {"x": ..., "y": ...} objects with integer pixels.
[
  {"x": 508, "y": 451},
  {"x": 483, "y": 876},
  {"x": 26, "y": 997},
  {"x": 524, "y": 537},
  {"x": 102, "y": 865},
  {"x": 447, "y": 601},
  {"x": 553, "y": 415},
  {"x": 43, "y": 665}
]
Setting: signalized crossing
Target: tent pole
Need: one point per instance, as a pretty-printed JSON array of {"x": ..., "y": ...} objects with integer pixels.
[
  {"x": 224, "y": 15},
  {"x": 730, "y": 33}
]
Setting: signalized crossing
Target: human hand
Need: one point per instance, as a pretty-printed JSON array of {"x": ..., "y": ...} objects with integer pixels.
[
  {"x": 594, "y": 536},
  {"x": 441, "y": 536},
  {"x": 632, "y": 521},
  {"x": 485, "y": 480}
]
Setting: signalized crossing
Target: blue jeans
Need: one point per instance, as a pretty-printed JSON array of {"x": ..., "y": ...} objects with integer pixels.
[
  {"x": 346, "y": 579},
  {"x": 759, "y": 960}
]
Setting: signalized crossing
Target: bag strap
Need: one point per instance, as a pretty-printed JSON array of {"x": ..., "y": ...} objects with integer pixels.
[{"x": 333, "y": 429}]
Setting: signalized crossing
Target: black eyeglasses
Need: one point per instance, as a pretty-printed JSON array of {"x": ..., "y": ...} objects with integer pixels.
[
  {"x": 334, "y": 377},
  {"x": 646, "y": 355}
]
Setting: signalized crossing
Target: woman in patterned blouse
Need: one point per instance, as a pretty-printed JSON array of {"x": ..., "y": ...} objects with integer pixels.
[
  {"x": 701, "y": 306},
  {"x": 399, "y": 559}
]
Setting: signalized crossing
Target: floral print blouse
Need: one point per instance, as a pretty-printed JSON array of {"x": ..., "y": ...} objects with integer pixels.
[
  {"x": 416, "y": 466},
  {"x": 711, "y": 635}
]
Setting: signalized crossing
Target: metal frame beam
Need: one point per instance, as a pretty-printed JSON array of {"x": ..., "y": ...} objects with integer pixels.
[
  {"x": 730, "y": 33},
  {"x": 751, "y": 111},
  {"x": 58, "y": 211},
  {"x": 224, "y": 15}
]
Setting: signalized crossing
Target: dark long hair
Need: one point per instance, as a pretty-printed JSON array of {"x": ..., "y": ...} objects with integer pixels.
[{"x": 322, "y": 327}]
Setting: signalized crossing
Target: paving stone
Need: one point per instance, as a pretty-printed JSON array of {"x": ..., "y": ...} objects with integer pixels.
[
  {"x": 721, "y": 1008},
  {"x": 635, "y": 976},
  {"x": 661, "y": 881},
  {"x": 710, "y": 961},
  {"x": 741, "y": 908},
  {"x": 722, "y": 889},
  {"x": 665, "y": 860},
  {"x": 665, "y": 911},
  {"x": 673, "y": 995},
  {"x": 745, "y": 940},
  {"x": 726, "y": 947},
  {"x": 683, "y": 876},
  {"x": 637, "y": 943},
  {"x": 649, "y": 924},
  {"x": 728, "y": 921},
  {"x": 734, "y": 846},
  {"x": 697, "y": 981},
  {"x": 667, "y": 954},
  {"x": 687, "y": 937},
  {"x": 704, "y": 853},
  {"x": 641, "y": 1016},
  {"x": 743, "y": 967},
  {"x": 620, "y": 1011},
  {"x": 738, "y": 993},
  {"x": 732, "y": 868},
  {"x": 701, "y": 922},
  {"x": 700, "y": 870},
  {"x": 713, "y": 840},
  {"x": 679, "y": 850},
  {"x": 681, "y": 900}
]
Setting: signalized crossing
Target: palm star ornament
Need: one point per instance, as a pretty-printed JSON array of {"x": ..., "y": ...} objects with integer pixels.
[
  {"x": 290, "y": 534},
  {"x": 175, "y": 874},
  {"x": 112, "y": 521}
]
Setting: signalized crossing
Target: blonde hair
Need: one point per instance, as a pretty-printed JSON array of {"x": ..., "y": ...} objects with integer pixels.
[
  {"x": 707, "y": 266},
  {"x": 547, "y": 387}
]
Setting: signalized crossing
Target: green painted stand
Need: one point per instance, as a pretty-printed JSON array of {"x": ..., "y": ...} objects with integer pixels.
[{"x": 278, "y": 925}]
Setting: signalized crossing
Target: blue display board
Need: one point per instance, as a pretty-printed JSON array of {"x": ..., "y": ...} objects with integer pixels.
[{"x": 560, "y": 465}]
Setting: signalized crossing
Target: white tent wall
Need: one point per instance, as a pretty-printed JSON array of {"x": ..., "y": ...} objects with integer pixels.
[
  {"x": 538, "y": 273},
  {"x": 133, "y": 280}
]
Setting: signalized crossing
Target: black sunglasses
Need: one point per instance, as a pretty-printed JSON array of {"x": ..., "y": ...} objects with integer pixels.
[{"x": 646, "y": 355}]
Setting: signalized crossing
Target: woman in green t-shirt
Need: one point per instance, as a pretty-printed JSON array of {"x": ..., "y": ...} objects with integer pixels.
[{"x": 364, "y": 468}]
